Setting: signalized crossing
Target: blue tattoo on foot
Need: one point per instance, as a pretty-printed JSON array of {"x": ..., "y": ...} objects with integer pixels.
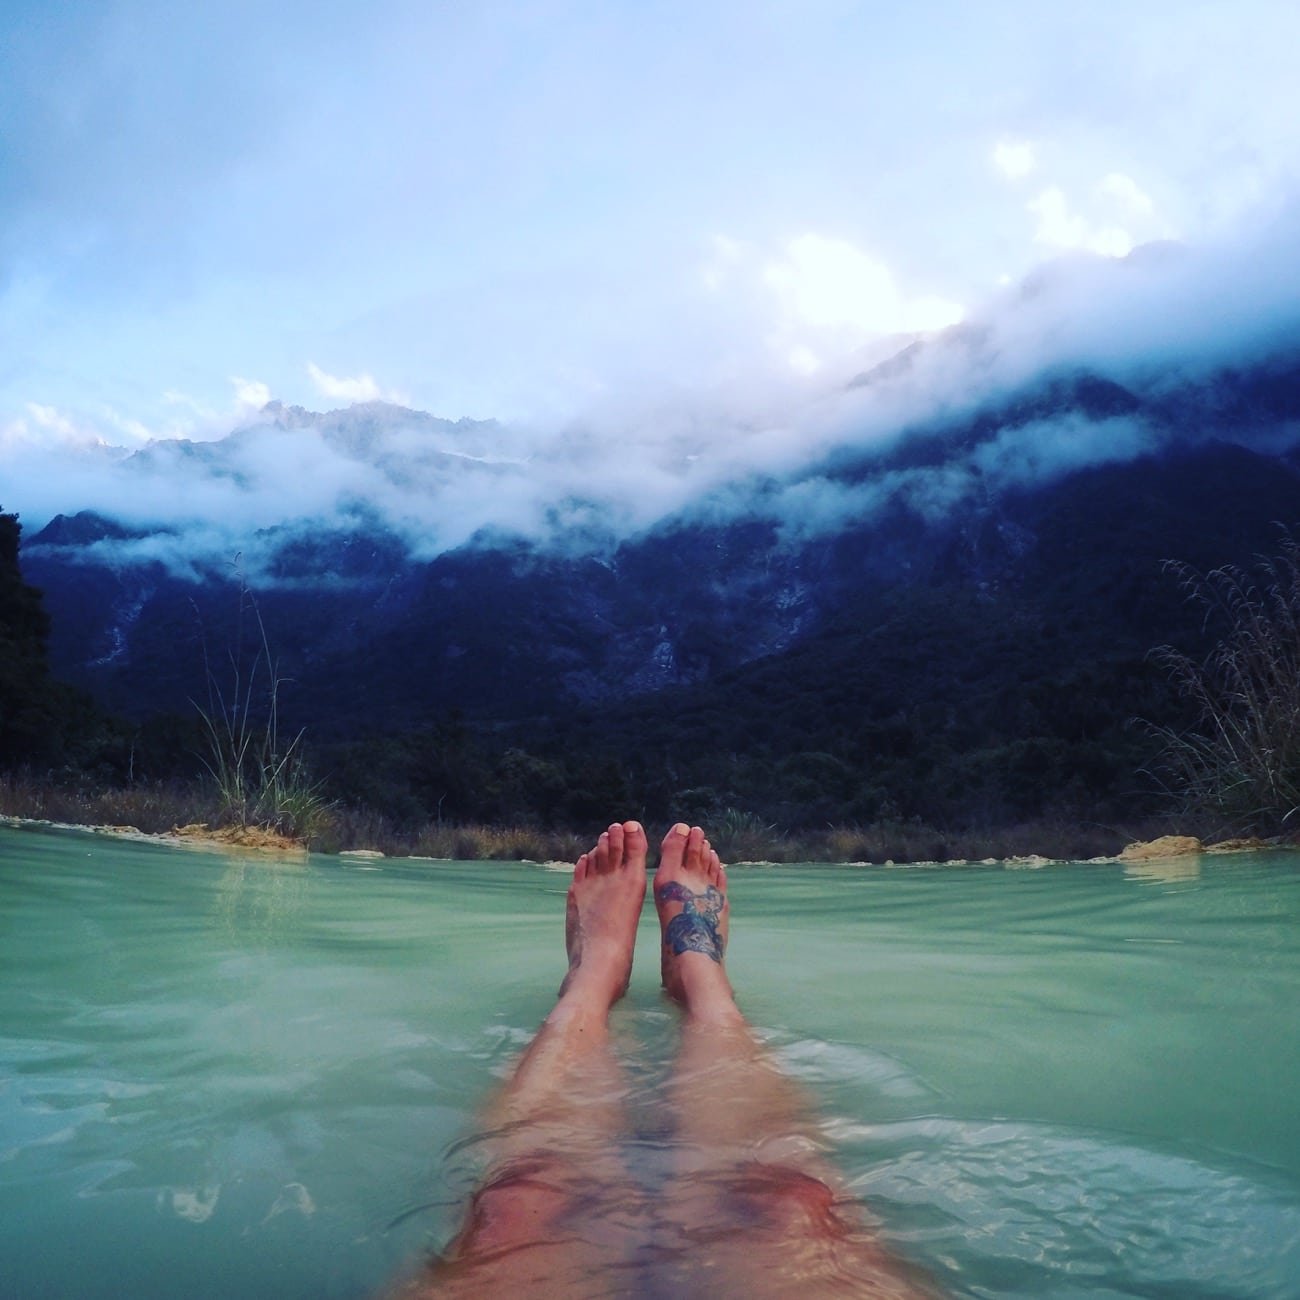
[{"x": 695, "y": 927}]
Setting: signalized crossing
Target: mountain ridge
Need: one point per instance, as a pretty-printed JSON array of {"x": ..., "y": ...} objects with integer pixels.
[{"x": 963, "y": 602}]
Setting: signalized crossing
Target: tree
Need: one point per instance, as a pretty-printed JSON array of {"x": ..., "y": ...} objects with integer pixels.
[{"x": 28, "y": 698}]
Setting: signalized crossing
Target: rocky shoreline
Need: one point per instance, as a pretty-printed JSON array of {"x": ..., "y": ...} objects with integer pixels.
[{"x": 199, "y": 835}]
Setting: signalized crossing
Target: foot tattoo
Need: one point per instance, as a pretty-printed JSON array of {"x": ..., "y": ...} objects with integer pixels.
[{"x": 695, "y": 927}]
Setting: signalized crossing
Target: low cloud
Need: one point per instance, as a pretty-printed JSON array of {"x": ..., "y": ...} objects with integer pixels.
[
  {"x": 49, "y": 420},
  {"x": 830, "y": 283},
  {"x": 359, "y": 388},
  {"x": 1161, "y": 317},
  {"x": 1117, "y": 217},
  {"x": 801, "y": 308},
  {"x": 1128, "y": 193},
  {"x": 250, "y": 394},
  {"x": 1061, "y": 227}
]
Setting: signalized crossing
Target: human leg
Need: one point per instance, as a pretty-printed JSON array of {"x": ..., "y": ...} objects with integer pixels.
[
  {"x": 756, "y": 1207},
  {"x": 552, "y": 1215}
]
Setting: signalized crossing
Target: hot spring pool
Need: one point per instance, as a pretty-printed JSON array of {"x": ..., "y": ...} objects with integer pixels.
[{"x": 227, "y": 1077}]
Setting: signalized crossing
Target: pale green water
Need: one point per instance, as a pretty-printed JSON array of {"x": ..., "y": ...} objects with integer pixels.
[{"x": 231, "y": 1078}]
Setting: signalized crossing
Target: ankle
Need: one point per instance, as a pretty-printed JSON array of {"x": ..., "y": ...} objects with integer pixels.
[
  {"x": 582, "y": 1005},
  {"x": 705, "y": 990},
  {"x": 714, "y": 1013}
]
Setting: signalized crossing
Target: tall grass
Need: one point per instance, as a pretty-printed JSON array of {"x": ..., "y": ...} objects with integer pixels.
[
  {"x": 152, "y": 807},
  {"x": 1237, "y": 766},
  {"x": 261, "y": 779},
  {"x": 160, "y": 807}
]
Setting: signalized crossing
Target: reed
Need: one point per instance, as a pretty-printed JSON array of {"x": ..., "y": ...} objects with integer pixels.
[
  {"x": 261, "y": 779},
  {"x": 1237, "y": 767}
]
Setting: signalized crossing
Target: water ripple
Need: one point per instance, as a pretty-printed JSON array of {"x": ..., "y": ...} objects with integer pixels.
[{"x": 1032, "y": 1210}]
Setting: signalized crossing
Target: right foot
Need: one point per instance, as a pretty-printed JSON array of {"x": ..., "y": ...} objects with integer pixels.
[
  {"x": 604, "y": 904},
  {"x": 691, "y": 897}
]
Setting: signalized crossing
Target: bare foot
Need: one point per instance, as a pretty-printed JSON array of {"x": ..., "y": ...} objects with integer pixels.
[
  {"x": 601, "y": 916},
  {"x": 691, "y": 898}
]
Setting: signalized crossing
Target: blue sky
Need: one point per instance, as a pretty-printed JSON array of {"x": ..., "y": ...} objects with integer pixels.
[{"x": 545, "y": 209}]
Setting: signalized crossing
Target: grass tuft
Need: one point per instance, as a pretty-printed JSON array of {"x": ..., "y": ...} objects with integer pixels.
[
  {"x": 1237, "y": 768},
  {"x": 261, "y": 780}
]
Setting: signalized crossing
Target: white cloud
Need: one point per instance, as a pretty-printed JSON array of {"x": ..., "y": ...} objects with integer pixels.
[
  {"x": 832, "y": 284},
  {"x": 15, "y": 435},
  {"x": 928, "y": 312},
  {"x": 135, "y": 429},
  {"x": 250, "y": 394},
  {"x": 829, "y": 282},
  {"x": 1128, "y": 192},
  {"x": 190, "y": 417},
  {"x": 49, "y": 427},
  {"x": 361, "y": 388},
  {"x": 53, "y": 421},
  {"x": 1060, "y": 227},
  {"x": 1015, "y": 159},
  {"x": 1117, "y": 215},
  {"x": 105, "y": 429}
]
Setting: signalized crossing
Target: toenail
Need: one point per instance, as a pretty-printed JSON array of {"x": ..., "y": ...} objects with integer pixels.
[{"x": 681, "y": 829}]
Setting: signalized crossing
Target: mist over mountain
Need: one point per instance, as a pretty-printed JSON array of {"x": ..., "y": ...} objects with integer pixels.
[
  {"x": 940, "y": 571},
  {"x": 1091, "y": 361}
]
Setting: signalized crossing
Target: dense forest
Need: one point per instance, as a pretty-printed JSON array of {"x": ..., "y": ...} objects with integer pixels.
[{"x": 998, "y": 689}]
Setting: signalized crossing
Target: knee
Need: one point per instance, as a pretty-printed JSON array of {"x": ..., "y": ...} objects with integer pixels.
[
  {"x": 789, "y": 1199},
  {"x": 516, "y": 1207}
]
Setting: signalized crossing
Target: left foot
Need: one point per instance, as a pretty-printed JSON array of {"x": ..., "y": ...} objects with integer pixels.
[
  {"x": 691, "y": 898},
  {"x": 604, "y": 905}
]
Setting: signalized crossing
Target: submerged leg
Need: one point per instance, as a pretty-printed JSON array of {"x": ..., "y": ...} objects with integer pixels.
[
  {"x": 756, "y": 1208},
  {"x": 551, "y": 1218}
]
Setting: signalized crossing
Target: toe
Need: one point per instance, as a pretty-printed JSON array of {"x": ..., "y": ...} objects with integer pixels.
[
  {"x": 695, "y": 849},
  {"x": 674, "y": 847},
  {"x": 634, "y": 844},
  {"x": 615, "y": 834},
  {"x": 580, "y": 870}
]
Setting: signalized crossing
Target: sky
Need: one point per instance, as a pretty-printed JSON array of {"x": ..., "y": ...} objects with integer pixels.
[{"x": 568, "y": 215}]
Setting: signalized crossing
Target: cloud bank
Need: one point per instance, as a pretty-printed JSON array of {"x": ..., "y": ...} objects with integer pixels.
[{"x": 1154, "y": 322}]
